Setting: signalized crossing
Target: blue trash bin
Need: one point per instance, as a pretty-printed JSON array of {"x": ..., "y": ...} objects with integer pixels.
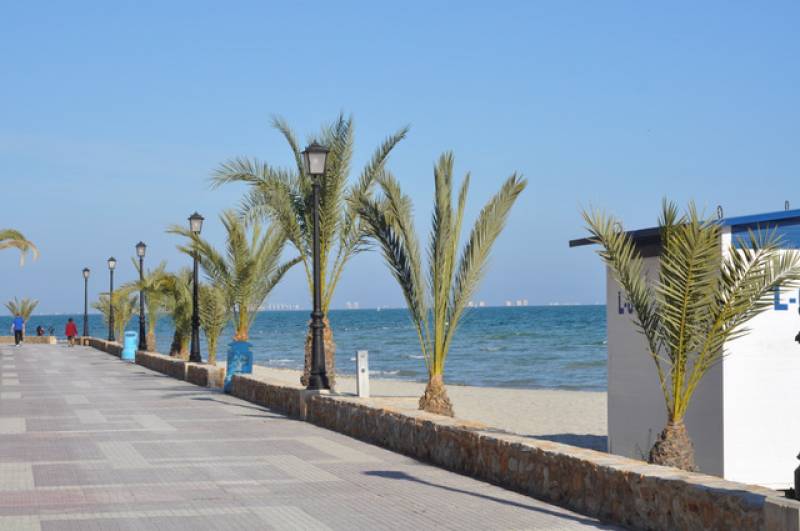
[
  {"x": 240, "y": 361},
  {"x": 129, "y": 347}
]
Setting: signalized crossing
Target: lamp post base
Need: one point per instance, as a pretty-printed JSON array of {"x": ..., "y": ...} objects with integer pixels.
[{"x": 317, "y": 382}]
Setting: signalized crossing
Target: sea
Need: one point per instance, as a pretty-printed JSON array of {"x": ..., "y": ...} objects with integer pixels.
[{"x": 537, "y": 347}]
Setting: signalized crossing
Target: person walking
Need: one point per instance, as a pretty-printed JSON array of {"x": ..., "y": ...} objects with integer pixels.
[
  {"x": 71, "y": 331},
  {"x": 19, "y": 329}
]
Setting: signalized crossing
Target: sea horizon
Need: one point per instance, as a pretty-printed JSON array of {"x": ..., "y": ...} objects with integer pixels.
[{"x": 536, "y": 347}]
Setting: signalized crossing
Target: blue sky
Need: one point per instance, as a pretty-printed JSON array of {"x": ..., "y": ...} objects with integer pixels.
[{"x": 113, "y": 115}]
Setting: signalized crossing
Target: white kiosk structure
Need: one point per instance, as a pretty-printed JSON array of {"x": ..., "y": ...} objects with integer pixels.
[{"x": 744, "y": 419}]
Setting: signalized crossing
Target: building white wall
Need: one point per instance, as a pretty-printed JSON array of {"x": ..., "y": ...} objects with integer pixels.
[
  {"x": 762, "y": 382},
  {"x": 636, "y": 407}
]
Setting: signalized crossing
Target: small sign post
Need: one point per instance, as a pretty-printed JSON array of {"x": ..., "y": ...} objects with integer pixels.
[{"x": 362, "y": 368}]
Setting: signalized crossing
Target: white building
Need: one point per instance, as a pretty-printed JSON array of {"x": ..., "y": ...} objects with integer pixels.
[{"x": 743, "y": 419}]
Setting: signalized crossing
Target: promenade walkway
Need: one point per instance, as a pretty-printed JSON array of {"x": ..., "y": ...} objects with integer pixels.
[{"x": 89, "y": 442}]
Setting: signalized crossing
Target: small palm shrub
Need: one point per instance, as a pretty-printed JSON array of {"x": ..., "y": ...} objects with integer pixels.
[
  {"x": 125, "y": 305},
  {"x": 700, "y": 299},
  {"x": 437, "y": 302},
  {"x": 23, "y": 307}
]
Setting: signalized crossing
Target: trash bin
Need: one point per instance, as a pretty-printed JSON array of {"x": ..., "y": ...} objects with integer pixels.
[
  {"x": 240, "y": 361},
  {"x": 129, "y": 346}
]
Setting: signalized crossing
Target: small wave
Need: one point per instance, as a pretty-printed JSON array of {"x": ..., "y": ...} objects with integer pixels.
[
  {"x": 413, "y": 357},
  {"x": 491, "y": 349}
]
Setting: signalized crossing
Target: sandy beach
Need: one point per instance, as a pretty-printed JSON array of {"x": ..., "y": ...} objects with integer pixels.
[{"x": 572, "y": 417}]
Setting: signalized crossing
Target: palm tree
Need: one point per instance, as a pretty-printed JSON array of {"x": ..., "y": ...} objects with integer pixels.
[
  {"x": 214, "y": 316},
  {"x": 436, "y": 304},
  {"x": 13, "y": 238},
  {"x": 285, "y": 196},
  {"x": 125, "y": 305},
  {"x": 154, "y": 298},
  {"x": 177, "y": 290},
  {"x": 23, "y": 308},
  {"x": 700, "y": 300},
  {"x": 249, "y": 269}
]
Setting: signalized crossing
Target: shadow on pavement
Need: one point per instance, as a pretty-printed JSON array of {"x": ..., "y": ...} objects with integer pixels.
[{"x": 398, "y": 475}]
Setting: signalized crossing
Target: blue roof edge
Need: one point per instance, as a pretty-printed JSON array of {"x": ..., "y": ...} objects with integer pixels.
[{"x": 753, "y": 219}]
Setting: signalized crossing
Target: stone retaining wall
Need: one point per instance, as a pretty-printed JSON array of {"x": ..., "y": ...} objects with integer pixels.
[
  {"x": 204, "y": 375},
  {"x": 33, "y": 340},
  {"x": 113, "y": 348},
  {"x": 168, "y": 365},
  {"x": 196, "y": 373},
  {"x": 609, "y": 487},
  {"x": 612, "y": 488}
]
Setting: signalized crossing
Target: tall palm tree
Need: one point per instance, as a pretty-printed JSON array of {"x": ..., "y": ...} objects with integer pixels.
[
  {"x": 437, "y": 303},
  {"x": 285, "y": 196},
  {"x": 125, "y": 304},
  {"x": 177, "y": 290},
  {"x": 23, "y": 308},
  {"x": 10, "y": 238},
  {"x": 214, "y": 316},
  {"x": 700, "y": 300},
  {"x": 154, "y": 298},
  {"x": 248, "y": 270}
]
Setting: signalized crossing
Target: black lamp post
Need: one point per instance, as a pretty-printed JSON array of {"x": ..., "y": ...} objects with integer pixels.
[
  {"x": 140, "y": 250},
  {"x": 315, "y": 157},
  {"x": 195, "y": 225},
  {"x": 112, "y": 263},
  {"x": 85, "y": 302}
]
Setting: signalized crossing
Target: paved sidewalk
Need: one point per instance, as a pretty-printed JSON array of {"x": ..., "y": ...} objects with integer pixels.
[{"x": 90, "y": 442}]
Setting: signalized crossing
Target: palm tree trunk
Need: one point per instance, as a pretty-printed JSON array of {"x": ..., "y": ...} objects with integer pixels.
[
  {"x": 212, "y": 350},
  {"x": 180, "y": 345},
  {"x": 673, "y": 447},
  {"x": 330, "y": 354},
  {"x": 184, "y": 354},
  {"x": 150, "y": 340},
  {"x": 435, "y": 399}
]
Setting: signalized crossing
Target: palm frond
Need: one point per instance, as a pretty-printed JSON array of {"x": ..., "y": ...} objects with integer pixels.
[
  {"x": 474, "y": 259},
  {"x": 14, "y": 239},
  {"x": 22, "y": 307}
]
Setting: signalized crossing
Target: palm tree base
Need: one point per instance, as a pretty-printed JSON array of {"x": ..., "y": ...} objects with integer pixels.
[
  {"x": 435, "y": 399},
  {"x": 330, "y": 355},
  {"x": 673, "y": 448}
]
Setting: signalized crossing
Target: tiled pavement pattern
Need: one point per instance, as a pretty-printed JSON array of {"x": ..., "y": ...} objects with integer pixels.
[{"x": 90, "y": 442}]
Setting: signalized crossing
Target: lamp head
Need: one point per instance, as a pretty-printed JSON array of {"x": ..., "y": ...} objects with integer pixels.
[
  {"x": 196, "y": 223},
  {"x": 315, "y": 157}
]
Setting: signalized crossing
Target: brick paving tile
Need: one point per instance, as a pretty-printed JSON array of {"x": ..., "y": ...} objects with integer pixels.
[{"x": 90, "y": 442}]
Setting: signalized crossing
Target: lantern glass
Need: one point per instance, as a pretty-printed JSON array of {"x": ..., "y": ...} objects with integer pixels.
[
  {"x": 85, "y": 272},
  {"x": 140, "y": 249},
  {"x": 315, "y": 157},
  {"x": 112, "y": 263},
  {"x": 196, "y": 223}
]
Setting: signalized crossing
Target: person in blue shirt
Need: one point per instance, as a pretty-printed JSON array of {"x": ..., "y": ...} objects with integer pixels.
[{"x": 19, "y": 329}]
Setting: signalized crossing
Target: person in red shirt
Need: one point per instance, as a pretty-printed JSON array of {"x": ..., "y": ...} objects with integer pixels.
[{"x": 71, "y": 332}]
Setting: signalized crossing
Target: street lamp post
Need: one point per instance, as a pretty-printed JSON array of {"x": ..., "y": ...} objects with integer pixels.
[
  {"x": 112, "y": 263},
  {"x": 85, "y": 302},
  {"x": 195, "y": 225},
  {"x": 315, "y": 157},
  {"x": 140, "y": 250}
]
